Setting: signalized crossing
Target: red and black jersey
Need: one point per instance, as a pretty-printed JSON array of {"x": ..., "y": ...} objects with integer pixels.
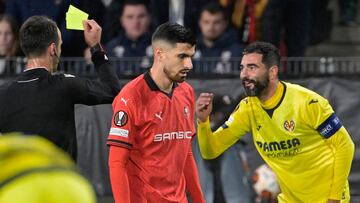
[{"x": 157, "y": 128}]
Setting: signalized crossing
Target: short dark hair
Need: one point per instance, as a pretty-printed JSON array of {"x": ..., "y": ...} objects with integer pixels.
[
  {"x": 214, "y": 7},
  {"x": 134, "y": 3},
  {"x": 270, "y": 54},
  {"x": 36, "y": 34},
  {"x": 174, "y": 33}
]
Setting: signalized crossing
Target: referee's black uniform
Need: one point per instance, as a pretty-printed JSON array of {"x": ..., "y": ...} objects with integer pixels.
[{"x": 43, "y": 104}]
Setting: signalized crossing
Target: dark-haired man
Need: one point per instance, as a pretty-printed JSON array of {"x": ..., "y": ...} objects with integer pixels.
[
  {"x": 135, "y": 38},
  {"x": 150, "y": 156},
  {"x": 39, "y": 102},
  {"x": 217, "y": 40},
  {"x": 294, "y": 129}
]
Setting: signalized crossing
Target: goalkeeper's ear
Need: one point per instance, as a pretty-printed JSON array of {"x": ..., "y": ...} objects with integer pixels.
[{"x": 273, "y": 72}]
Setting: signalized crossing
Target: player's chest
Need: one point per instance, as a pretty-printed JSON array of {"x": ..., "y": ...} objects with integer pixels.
[
  {"x": 285, "y": 133},
  {"x": 165, "y": 114},
  {"x": 283, "y": 123},
  {"x": 167, "y": 124}
]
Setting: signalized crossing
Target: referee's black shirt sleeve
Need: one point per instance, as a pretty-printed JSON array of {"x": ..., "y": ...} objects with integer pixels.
[
  {"x": 92, "y": 92},
  {"x": 39, "y": 103}
]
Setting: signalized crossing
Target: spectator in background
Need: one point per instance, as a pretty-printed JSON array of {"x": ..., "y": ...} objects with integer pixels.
[
  {"x": 9, "y": 45},
  {"x": 135, "y": 39},
  {"x": 348, "y": 12},
  {"x": 217, "y": 40},
  {"x": 288, "y": 21},
  {"x": 23, "y": 9},
  {"x": 105, "y": 12},
  {"x": 111, "y": 25},
  {"x": 245, "y": 16}
]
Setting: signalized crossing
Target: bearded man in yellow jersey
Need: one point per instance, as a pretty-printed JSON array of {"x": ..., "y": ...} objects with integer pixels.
[{"x": 294, "y": 129}]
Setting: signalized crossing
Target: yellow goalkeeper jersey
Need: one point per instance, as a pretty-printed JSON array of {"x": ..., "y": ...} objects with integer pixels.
[{"x": 298, "y": 135}]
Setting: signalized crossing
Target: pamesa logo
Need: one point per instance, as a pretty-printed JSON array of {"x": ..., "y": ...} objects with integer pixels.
[{"x": 283, "y": 148}]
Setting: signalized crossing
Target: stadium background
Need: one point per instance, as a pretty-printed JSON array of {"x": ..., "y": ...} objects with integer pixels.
[{"x": 330, "y": 67}]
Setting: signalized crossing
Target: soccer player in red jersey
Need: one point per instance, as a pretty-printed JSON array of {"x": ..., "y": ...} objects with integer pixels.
[{"x": 150, "y": 157}]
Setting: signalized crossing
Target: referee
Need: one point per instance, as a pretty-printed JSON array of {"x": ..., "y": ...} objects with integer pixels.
[{"x": 40, "y": 102}]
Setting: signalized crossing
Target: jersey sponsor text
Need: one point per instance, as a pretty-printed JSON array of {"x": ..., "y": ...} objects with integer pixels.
[
  {"x": 275, "y": 146},
  {"x": 173, "y": 136}
]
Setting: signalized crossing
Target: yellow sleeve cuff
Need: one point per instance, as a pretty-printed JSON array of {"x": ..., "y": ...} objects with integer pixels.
[{"x": 203, "y": 124}]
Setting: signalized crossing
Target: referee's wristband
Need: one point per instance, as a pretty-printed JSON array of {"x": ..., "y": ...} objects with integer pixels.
[
  {"x": 98, "y": 55},
  {"x": 96, "y": 48}
]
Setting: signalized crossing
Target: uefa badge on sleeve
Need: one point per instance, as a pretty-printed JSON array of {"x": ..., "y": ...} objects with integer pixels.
[{"x": 120, "y": 118}]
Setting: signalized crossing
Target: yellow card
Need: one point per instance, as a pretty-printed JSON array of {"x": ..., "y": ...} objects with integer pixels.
[{"x": 74, "y": 18}]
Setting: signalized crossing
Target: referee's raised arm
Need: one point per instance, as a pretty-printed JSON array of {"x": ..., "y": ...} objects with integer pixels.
[
  {"x": 41, "y": 102},
  {"x": 92, "y": 92}
]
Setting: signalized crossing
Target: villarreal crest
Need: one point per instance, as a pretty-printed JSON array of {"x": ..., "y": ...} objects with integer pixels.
[{"x": 289, "y": 125}]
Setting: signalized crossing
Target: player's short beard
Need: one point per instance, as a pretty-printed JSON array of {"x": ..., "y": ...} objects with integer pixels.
[
  {"x": 259, "y": 86},
  {"x": 174, "y": 78}
]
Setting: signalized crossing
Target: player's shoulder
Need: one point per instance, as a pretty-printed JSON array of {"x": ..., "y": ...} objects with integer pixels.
[
  {"x": 297, "y": 91},
  {"x": 185, "y": 89},
  {"x": 61, "y": 78},
  {"x": 133, "y": 87},
  {"x": 245, "y": 101},
  {"x": 185, "y": 85},
  {"x": 243, "y": 105}
]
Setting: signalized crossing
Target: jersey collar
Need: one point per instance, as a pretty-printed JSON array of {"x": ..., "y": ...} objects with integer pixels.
[
  {"x": 32, "y": 73},
  {"x": 275, "y": 100},
  {"x": 153, "y": 87}
]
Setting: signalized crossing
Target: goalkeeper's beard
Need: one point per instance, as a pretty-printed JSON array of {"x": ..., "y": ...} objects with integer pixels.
[{"x": 259, "y": 86}]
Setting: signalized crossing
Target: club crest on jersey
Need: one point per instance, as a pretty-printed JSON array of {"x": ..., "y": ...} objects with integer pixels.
[
  {"x": 186, "y": 112},
  {"x": 120, "y": 118},
  {"x": 289, "y": 125}
]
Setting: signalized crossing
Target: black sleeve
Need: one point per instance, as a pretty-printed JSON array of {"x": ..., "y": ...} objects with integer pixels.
[{"x": 94, "y": 91}]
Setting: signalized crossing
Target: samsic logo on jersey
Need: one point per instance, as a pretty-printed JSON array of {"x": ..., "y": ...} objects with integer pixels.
[{"x": 181, "y": 135}]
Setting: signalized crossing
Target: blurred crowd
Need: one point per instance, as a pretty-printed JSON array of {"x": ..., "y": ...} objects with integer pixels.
[{"x": 223, "y": 27}]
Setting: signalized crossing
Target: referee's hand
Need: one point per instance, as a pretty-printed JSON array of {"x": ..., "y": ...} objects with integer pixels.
[
  {"x": 204, "y": 106},
  {"x": 92, "y": 32}
]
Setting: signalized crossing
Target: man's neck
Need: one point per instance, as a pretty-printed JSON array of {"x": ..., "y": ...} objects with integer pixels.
[
  {"x": 132, "y": 38},
  {"x": 269, "y": 91},
  {"x": 38, "y": 62},
  {"x": 161, "y": 80},
  {"x": 208, "y": 43}
]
